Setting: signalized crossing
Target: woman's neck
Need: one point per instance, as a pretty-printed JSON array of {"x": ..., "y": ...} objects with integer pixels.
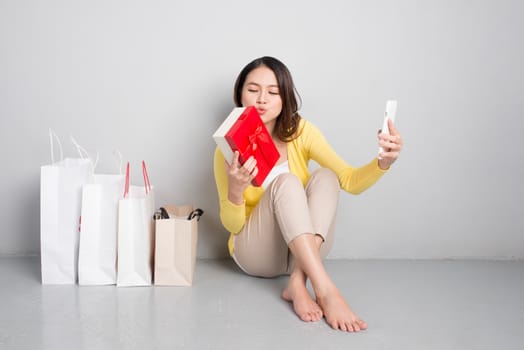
[{"x": 270, "y": 126}]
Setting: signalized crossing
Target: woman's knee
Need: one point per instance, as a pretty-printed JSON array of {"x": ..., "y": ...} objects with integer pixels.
[
  {"x": 324, "y": 178},
  {"x": 326, "y": 175},
  {"x": 286, "y": 181}
]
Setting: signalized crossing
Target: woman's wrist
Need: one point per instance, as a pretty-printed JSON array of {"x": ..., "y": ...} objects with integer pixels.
[
  {"x": 383, "y": 165},
  {"x": 235, "y": 198}
]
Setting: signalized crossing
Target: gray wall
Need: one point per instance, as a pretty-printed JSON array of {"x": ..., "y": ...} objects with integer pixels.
[{"x": 154, "y": 80}]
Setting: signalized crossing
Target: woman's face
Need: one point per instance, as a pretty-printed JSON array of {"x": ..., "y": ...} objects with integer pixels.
[{"x": 261, "y": 90}]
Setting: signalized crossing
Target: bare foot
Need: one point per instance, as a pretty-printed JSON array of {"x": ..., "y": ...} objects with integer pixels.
[
  {"x": 338, "y": 313},
  {"x": 305, "y": 307}
]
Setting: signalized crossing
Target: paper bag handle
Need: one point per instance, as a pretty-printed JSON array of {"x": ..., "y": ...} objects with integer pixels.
[
  {"x": 52, "y": 135},
  {"x": 197, "y": 213},
  {"x": 126, "y": 186},
  {"x": 146, "y": 179},
  {"x": 117, "y": 153},
  {"x": 147, "y": 184},
  {"x": 83, "y": 153}
]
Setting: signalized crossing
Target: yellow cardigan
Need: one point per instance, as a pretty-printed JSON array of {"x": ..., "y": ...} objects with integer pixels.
[{"x": 309, "y": 145}]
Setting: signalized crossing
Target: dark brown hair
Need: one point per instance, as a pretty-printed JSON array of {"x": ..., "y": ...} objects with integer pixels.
[{"x": 286, "y": 125}]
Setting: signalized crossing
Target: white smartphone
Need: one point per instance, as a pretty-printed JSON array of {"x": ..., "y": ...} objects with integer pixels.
[{"x": 390, "y": 113}]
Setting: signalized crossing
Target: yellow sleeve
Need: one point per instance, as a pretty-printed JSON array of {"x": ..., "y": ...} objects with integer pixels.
[
  {"x": 233, "y": 216},
  {"x": 353, "y": 180}
]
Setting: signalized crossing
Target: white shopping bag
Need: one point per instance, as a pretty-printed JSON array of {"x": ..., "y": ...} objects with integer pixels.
[
  {"x": 98, "y": 231},
  {"x": 60, "y": 207},
  {"x": 98, "y": 243},
  {"x": 136, "y": 233}
]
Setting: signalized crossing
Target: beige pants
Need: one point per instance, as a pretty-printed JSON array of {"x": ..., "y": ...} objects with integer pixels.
[{"x": 285, "y": 211}]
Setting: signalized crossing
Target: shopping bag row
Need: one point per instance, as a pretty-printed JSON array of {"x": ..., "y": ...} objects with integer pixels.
[{"x": 97, "y": 229}]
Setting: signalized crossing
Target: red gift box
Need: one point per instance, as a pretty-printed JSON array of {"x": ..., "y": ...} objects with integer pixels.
[{"x": 244, "y": 131}]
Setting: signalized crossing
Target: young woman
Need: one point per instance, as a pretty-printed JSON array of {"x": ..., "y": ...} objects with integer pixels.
[{"x": 286, "y": 226}]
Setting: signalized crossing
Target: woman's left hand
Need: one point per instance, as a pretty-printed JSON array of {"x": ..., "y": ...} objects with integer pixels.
[{"x": 391, "y": 145}]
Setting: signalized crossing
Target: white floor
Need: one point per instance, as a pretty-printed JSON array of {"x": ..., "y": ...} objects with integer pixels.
[{"x": 408, "y": 305}]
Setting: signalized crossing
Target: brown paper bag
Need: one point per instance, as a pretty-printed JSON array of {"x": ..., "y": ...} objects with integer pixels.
[{"x": 176, "y": 246}]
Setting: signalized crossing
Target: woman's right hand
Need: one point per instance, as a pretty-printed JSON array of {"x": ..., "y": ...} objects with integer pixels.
[{"x": 240, "y": 177}]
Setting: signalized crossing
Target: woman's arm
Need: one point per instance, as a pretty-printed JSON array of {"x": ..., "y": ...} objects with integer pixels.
[
  {"x": 352, "y": 179},
  {"x": 231, "y": 181}
]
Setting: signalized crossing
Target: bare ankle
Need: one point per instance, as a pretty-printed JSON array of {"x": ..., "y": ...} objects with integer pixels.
[{"x": 325, "y": 290}]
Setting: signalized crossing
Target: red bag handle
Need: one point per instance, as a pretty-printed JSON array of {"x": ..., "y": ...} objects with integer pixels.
[
  {"x": 147, "y": 184},
  {"x": 126, "y": 186}
]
